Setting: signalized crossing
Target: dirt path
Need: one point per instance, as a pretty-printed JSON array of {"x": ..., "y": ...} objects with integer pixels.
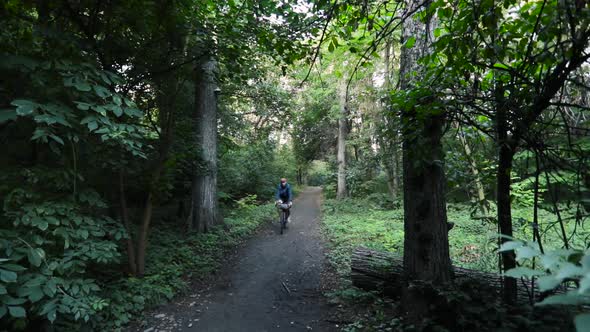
[{"x": 272, "y": 283}]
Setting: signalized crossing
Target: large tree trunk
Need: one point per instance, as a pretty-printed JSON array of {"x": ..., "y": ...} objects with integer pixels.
[
  {"x": 426, "y": 244},
  {"x": 205, "y": 208},
  {"x": 342, "y": 191},
  {"x": 426, "y": 247},
  {"x": 390, "y": 150}
]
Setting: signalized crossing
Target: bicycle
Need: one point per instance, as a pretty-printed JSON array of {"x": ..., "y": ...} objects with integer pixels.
[{"x": 283, "y": 208}]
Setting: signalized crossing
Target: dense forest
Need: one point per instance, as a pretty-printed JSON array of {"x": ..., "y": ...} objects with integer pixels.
[{"x": 143, "y": 140}]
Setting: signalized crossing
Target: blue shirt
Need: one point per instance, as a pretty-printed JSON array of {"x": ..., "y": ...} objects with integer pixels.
[{"x": 284, "y": 193}]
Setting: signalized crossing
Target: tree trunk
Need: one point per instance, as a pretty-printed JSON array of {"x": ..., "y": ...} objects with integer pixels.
[
  {"x": 205, "y": 211},
  {"x": 426, "y": 244},
  {"x": 132, "y": 263},
  {"x": 473, "y": 167},
  {"x": 426, "y": 247},
  {"x": 342, "y": 191},
  {"x": 383, "y": 272},
  {"x": 390, "y": 149},
  {"x": 505, "y": 156}
]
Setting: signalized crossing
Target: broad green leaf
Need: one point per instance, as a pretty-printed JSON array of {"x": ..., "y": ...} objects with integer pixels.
[
  {"x": 582, "y": 322},
  {"x": 566, "y": 299},
  {"x": 2, "y": 290},
  {"x": 92, "y": 125},
  {"x": 549, "y": 260},
  {"x": 526, "y": 253},
  {"x": 24, "y": 107},
  {"x": 17, "y": 312},
  {"x": 117, "y": 110},
  {"x": 569, "y": 270},
  {"x": 586, "y": 262},
  {"x": 410, "y": 42},
  {"x": 14, "y": 267},
  {"x": 58, "y": 140},
  {"x": 9, "y": 300},
  {"x": 7, "y": 276},
  {"x": 548, "y": 283},
  {"x": 584, "y": 284},
  {"x": 510, "y": 245},
  {"x": 35, "y": 256},
  {"x": 82, "y": 86},
  {"x": 36, "y": 294},
  {"x": 7, "y": 115},
  {"x": 3, "y": 310},
  {"x": 50, "y": 288},
  {"x": 101, "y": 91},
  {"x": 83, "y": 106},
  {"x": 523, "y": 272}
]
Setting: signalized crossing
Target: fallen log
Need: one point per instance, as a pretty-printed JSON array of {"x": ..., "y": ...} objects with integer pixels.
[{"x": 383, "y": 272}]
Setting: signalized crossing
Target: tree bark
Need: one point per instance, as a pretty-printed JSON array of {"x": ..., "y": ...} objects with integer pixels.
[
  {"x": 426, "y": 246},
  {"x": 206, "y": 212},
  {"x": 383, "y": 272},
  {"x": 474, "y": 170},
  {"x": 342, "y": 190},
  {"x": 390, "y": 149},
  {"x": 506, "y": 151},
  {"x": 132, "y": 263}
]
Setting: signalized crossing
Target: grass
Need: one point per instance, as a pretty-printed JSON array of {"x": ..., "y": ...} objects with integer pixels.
[{"x": 351, "y": 223}]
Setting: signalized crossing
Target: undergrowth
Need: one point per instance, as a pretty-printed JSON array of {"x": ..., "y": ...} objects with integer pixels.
[{"x": 351, "y": 223}]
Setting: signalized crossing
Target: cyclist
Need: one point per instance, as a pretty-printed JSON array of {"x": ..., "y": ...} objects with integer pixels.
[{"x": 284, "y": 195}]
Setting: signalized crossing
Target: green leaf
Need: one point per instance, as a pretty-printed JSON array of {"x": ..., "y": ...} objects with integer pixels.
[
  {"x": 410, "y": 42},
  {"x": 117, "y": 110},
  {"x": 24, "y": 107},
  {"x": 3, "y": 290},
  {"x": 17, "y": 312},
  {"x": 117, "y": 100},
  {"x": 82, "y": 86},
  {"x": 58, "y": 140},
  {"x": 7, "y": 276},
  {"x": 526, "y": 253},
  {"x": 36, "y": 294},
  {"x": 548, "y": 283},
  {"x": 549, "y": 260},
  {"x": 584, "y": 284},
  {"x": 582, "y": 322},
  {"x": 92, "y": 125},
  {"x": 83, "y": 106},
  {"x": 101, "y": 91},
  {"x": 3, "y": 311},
  {"x": 50, "y": 288},
  {"x": 14, "y": 267},
  {"x": 35, "y": 256},
  {"x": 564, "y": 299},
  {"x": 500, "y": 65},
  {"x": 7, "y": 115},
  {"x": 569, "y": 270},
  {"x": 8, "y": 300},
  {"x": 437, "y": 32},
  {"x": 510, "y": 245}
]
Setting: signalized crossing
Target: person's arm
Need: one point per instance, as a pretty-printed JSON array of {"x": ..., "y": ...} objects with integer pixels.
[{"x": 290, "y": 194}]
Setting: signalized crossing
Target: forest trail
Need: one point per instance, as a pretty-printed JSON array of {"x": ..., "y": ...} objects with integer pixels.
[{"x": 273, "y": 283}]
